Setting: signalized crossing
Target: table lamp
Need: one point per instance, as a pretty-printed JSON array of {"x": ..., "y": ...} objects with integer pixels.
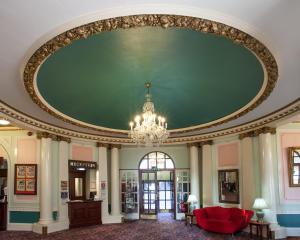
[
  {"x": 192, "y": 200},
  {"x": 259, "y": 205}
]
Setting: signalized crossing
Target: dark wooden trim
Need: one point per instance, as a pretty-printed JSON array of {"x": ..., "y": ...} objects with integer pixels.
[
  {"x": 291, "y": 165},
  {"x": 72, "y": 175},
  {"x": 3, "y": 216},
  {"x": 84, "y": 213},
  {"x": 25, "y": 178},
  {"x": 237, "y": 187}
]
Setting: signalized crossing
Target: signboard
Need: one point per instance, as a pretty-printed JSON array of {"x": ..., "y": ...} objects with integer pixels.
[{"x": 82, "y": 164}]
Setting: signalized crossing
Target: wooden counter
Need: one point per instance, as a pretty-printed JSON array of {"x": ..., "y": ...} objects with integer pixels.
[
  {"x": 3, "y": 215},
  {"x": 84, "y": 213}
]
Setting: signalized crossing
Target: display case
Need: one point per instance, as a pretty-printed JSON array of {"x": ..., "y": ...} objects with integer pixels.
[
  {"x": 182, "y": 192},
  {"x": 129, "y": 193}
]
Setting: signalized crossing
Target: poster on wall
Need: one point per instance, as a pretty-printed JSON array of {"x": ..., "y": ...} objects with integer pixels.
[
  {"x": 103, "y": 190},
  {"x": 25, "y": 179},
  {"x": 64, "y": 185}
]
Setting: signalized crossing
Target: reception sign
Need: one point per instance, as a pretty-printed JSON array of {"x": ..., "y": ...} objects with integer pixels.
[{"x": 25, "y": 179}]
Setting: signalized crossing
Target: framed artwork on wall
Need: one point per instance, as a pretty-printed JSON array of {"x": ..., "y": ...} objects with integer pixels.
[
  {"x": 229, "y": 186},
  {"x": 25, "y": 179},
  {"x": 294, "y": 166}
]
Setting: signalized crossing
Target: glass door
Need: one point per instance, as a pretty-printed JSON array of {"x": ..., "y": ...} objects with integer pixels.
[{"x": 148, "y": 195}]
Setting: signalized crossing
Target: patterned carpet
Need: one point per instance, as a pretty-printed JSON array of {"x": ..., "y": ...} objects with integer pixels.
[{"x": 161, "y": 229}]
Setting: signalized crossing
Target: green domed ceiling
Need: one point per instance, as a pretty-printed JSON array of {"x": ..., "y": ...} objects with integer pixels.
[{"x": 196, "y": 78}]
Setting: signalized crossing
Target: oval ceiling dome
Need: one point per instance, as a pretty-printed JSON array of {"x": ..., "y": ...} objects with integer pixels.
[{"x": 196, "y": 77}]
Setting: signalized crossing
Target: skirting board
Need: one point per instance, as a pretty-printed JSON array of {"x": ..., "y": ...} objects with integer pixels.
[
  {"x": 19, "y": 227},
  {"x": 293, "y": 232}
]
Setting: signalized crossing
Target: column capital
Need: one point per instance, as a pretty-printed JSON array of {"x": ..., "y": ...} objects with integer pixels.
[
  {"x": 207, "y": 142},
  {"x": 257, "y": 132},
  {"x": 118, "y": 146},
  {"x": 199, "y": 144},
  {"x": 193, "y": 144},
  {"x": 62, "y": 138},
  {"x": 54, "y": 137},
  {"x": 99, "y": 144},
  {"x": 41, "y": 135}
]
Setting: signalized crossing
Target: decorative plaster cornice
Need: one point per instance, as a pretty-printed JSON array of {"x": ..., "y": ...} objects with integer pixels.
[
  {"x": 256, "y": 132},
  {"x": 155, "y": 20},
  {"x": 28, "y": 122}
]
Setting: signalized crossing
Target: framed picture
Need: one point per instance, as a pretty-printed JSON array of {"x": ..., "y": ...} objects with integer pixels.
[
  {"x": 229, "y": 186},
  {"x": 25, "y": 179}
]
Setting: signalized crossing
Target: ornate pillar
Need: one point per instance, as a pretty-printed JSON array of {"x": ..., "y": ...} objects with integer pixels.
[
  {"x": 247, "y": 171},
  {"x": 115, "y": 183},
  {"x": 101, "y": 181},
  {"x": 63, "y": 156},
  {"x": 267, "y": 172},
  {"x": 207, "y": 173},
  {"x": 194, "y": 171},
  {"x": 46, "y": 223},
  {"x": 45, "y": 184}
]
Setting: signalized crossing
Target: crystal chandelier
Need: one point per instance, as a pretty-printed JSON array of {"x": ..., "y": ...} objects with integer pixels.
[{"x": 149, "y": 128}]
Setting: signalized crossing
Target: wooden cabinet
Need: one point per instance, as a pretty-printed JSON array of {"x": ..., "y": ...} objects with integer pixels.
[
  {"x": 84, "y": 213},
  {"x": 3, "y": 215}
]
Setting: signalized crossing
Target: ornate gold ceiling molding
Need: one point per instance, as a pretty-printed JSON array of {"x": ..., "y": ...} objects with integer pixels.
[
  {"x": 155, "y": 20},
  {"x": 28, "y": 122}
]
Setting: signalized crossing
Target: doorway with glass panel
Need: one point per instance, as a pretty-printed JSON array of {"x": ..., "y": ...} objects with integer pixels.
[{"x": 156, "y": 185}]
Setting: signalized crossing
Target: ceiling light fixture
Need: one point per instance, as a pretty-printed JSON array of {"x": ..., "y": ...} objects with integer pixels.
[
  {"x": 148, "y": 129},
  {"x": 4, "y": 122}
]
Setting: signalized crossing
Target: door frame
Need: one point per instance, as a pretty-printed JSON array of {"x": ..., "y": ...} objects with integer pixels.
[{"x": 141, "y": 190}]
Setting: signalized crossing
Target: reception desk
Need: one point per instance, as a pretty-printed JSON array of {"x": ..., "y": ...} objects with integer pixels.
[{"x": 84, "y": 213}]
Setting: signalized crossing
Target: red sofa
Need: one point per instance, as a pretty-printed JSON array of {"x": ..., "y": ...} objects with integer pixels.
[{"x": 222, "y": 220}]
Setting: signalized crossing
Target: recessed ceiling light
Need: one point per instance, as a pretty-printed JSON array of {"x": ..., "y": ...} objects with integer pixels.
[{"x": 4, "y": 122}]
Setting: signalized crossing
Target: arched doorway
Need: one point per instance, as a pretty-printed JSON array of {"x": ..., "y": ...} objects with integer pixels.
[
  {"x": 156, "y": 174},
  {"x": 3, "y": 187}
]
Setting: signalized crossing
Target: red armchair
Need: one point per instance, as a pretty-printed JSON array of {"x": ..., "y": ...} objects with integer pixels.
[{"x": 222, "y": 220}]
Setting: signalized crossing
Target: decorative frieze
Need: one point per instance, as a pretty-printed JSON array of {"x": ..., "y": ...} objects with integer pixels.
[{"x": 31, "y": 123}]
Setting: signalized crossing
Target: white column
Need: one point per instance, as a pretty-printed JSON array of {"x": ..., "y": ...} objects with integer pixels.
[
  {"x": 45, "y": 189},
  {"x": 248, "y": 183},
  {"x": 267, "y": 173},
  {"x": 101, "y": 178},
  {"x": 194, "y": 172},
  {"x": 45, "y": 186},
  {"x": 115, "y": 181},
  {"x": 63, "y": 156},
  {"x": 207, "y": 175}
]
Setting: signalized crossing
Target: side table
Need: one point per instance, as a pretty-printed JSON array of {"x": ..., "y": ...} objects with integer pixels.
[
  {"x": 190, "y": 217},
  {"x": 259, "y": 229}
]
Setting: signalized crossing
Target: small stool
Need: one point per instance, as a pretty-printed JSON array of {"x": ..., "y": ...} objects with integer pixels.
[
  {"x": 189, "y": 216},
  {"x": 259, "y": 229}
]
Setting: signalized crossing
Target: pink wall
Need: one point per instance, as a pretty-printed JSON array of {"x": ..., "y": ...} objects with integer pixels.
[
  {"x": 228, "y": 155},
  {"x": 82, "y": 153},
  {"x": 288, "y": 140},
  {"x": 26, "y": 151}
]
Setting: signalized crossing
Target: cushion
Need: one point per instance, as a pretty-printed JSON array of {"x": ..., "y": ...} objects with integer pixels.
[
  {"x": 237, "y": 213},
  {"x": 218, "y": 213}
]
